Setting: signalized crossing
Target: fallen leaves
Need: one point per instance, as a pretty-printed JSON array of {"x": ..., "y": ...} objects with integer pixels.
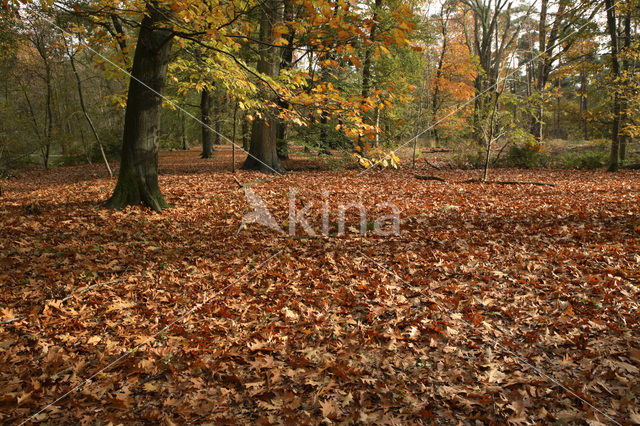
[{"x": 322, "y": 333}]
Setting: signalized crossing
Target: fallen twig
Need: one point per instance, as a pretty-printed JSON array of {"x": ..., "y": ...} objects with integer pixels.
[
  {"x": 237, "y": 181},
  {"x": 436, "y": 150},
  {"x": 432, "y": 165},
  {"x": 9, "y": 321}
]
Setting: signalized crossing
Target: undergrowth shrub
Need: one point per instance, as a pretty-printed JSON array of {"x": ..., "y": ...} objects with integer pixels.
[
  {"x": 588, "y": 160},
  {"x": 526, "y": 156}
]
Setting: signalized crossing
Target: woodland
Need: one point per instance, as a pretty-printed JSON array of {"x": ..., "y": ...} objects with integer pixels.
[{"x": 319, "y": 211}]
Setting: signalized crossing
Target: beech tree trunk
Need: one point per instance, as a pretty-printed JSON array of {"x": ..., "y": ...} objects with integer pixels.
[
  {"x": 245, "y": 134},
  {"x": 138, "y": 176},
  {"x": 205, "y": 116},
  {"x": 263, "y": 154}
]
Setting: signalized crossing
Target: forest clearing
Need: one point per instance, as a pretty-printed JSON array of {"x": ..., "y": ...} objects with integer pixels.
[{"x": 448, "y": 321}]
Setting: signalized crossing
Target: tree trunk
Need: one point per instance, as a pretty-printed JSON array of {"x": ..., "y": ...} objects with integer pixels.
[
  {"x": 217, "y": 113},
  {"x": 205, "y": 116},
  {"x": 614, "y": 163},
  {"x": 282, "y": 146},
  {"x": 86, "y": 113},
  {"x": 324, "y": 134},
  {"x": 583, "y": 104},
  {"x": 366, "y": 65},
  {"x": 245, "y": 134},
  {"x": 263, "y": 154},
  {"x": 557, "y": 107},
  {"x": 537, "y": 126},
  {"x": 87, "y": 154},
  {"x": 624, "y": 104},
  {"x": 478, "y": 106},
  {"x": 183, "y": 131},
  {"x": 436, "y": 81},
  {"x": 138, "y": 177},
  {"x": 546, "y": 59},
  {"x": 285, "y": 63},
  {"x": 233, "y": 138},
  {"x": 49, "y": 120}
]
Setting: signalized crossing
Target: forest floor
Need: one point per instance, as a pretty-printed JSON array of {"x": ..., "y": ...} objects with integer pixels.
[{"x": 494, "y": 303}]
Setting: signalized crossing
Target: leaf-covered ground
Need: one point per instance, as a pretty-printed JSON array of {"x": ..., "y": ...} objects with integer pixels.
[{"x": 491, "y": 297}]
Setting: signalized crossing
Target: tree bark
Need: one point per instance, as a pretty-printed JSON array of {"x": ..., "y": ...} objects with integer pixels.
[
  {"x": 614, "y": 163},
  {"x": 217, "y": 114},
  {"x": 263, "y": 153},
  {"x": 245, "y": 134},
  {"x": 49, "y": 120},
  {"x": 282, "y": 145},
  {"x": 206, "y": 100},
  {"x": 183, "y": 131},
  {"x": 138, "y": 176}
]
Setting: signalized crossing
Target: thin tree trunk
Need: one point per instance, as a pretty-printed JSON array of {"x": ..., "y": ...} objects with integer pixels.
[
  {"x": 36, "y": 129},
  {"x": 419, "y": 120},
  {"x": 138, "y": 177},
  {"x": 583, "y": 104},
  {"x": 377, "y": 127},
  {"x": 624, "y": 104},
  {"x": 233, "y": 144},
  {"x": 49, "y": 121},
  {"x": 183, "y": 131},
  {"x": 557, "y": 107},
  {"x": 366, "y": 65},
  {"x": 324, "y": 134},
  {"x": 87, "y": 152},
  {"x": 436, "y": 80},
  {"x": 614, "y": 163},
  {"x": 86, "y": 114},
  {"x": 489, "y": 134}
]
